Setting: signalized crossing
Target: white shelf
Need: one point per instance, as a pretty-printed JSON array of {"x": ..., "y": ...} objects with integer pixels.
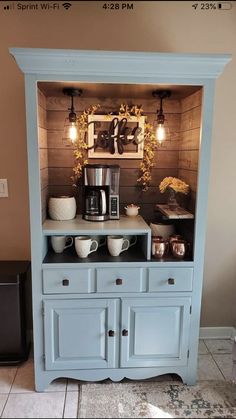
[
  {"x": 178, "y": 213},
  {"x": 125, "y": 225}
]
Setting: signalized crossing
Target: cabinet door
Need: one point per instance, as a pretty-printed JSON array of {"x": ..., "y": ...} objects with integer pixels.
[
  {"x": 154, "y": 332},
  {"x": 77, "y": 333}
]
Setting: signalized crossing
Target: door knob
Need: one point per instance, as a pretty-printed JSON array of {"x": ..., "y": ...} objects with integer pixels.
[
  {"x": 111, "y": 333},
  {"x": 119, "y": 281},
  {"x": 171, "y": 281},
  {"x": 65, "y": 282},
  {"x": 125, "y": 332}
]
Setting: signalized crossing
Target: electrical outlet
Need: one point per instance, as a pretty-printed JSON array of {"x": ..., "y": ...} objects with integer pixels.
[{"x": 3, "y": 188}]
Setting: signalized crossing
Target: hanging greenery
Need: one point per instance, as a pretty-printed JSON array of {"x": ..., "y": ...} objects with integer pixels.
[
  {"x": 150, "y": 143},
  {"x": 150, "y": 146},
  {"x": 80, "y": 152}
]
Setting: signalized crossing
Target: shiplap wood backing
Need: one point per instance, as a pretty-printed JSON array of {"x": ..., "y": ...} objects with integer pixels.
[
  {"x": 61, "y": 158},
  {"x": 177, "y": 157},
  {"x": 62, "y": 103},
  {"x": 43, "y": 150},
  {"x": 189, "y": 142}
]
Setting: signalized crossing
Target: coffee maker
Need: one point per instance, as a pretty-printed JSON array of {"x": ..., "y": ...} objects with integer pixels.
[{"x": 101, "y": 192}]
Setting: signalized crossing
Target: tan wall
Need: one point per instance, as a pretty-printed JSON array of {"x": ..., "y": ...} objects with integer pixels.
[{"x": 152, "y": 26}]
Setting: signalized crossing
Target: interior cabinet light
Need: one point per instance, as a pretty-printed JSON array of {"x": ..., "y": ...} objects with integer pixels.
[
  {"x": 71, "y": 123},
  {"x": 161, "y": 130}
]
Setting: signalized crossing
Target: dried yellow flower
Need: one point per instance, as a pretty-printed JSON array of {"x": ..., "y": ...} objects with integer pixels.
[
  {"x": 174, "y": 183},
  {"x": 80, "y": 152},
  {"x": 150, "y": 146}
]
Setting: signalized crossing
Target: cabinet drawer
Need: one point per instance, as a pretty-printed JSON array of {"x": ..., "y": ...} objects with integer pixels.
[
  {"x": 119, "y": 280},
  {"x": 170, "y": 279},
  {"x": 66, "y": 281}
]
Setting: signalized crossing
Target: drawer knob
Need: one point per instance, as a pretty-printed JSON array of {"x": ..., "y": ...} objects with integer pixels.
[
  {"x": 171, "y": 281},
  {"x": 111, "y": 333},
  {"x": 119, "y": 281},
  {"x": 65, "y": 282},
  {"x": 125, "y": 332}
]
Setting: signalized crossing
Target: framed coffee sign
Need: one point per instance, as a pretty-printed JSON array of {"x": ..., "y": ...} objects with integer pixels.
[{"x": 115, "y": 136}]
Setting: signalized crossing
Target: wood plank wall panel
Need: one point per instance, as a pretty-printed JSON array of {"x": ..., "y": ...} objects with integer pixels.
[
  {"x": 190, "y": 139},
  {"x": 43, "y": 155},
  {"x": 189, "y": 142},
  {"x": 61, "y": 158},
  {"x": 55, "y": 125},
  {"x": 43, "y": 152},
  {"x": 44, "y": 177},
  {"x": 42, "y": 137},
  {"x": 62, "y": 103},
  {"x": 191, "y": 119},
  {"x": 188, "y": 159},
  {"x": 62, "y": 176},
  {"x": 64, "y": 158},
  {"x": 44, "y": 200},
  {"x": 42, "y": 101},
  {"x": 191, "y": 101},
  {"x": 190, "y": 177}
]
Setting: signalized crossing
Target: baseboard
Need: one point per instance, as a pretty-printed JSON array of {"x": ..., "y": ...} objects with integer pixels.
[{"x": 217, "y": 332}]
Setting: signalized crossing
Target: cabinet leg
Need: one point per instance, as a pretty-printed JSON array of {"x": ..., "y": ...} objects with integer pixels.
[
  {"x": 42, "y": 383},
  {"x": 190, "y": 379}
]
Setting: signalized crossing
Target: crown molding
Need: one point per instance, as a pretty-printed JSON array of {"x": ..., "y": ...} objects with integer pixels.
[{"x": 119, "y": 64}]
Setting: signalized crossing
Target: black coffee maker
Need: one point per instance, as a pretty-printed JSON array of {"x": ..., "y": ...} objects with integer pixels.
[{"x": 101, "y": 192}]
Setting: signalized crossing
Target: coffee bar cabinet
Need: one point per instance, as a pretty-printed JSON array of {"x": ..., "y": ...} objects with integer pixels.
[{"x": 130, "y": 315}]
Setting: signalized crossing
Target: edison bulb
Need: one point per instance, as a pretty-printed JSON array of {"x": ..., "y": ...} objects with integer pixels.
[
  {"x": 160, "y": 133},
  {"x": 73, "y": 132}
]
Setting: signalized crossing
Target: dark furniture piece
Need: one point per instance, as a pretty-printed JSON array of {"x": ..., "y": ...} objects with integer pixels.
[{"x": 14, "y": 286}]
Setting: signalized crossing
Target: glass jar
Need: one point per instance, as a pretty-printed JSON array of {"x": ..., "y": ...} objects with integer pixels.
[{"x": 172, "y": 201}]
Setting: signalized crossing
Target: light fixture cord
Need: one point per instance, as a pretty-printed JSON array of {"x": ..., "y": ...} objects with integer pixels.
[
  {"x": 160, "y": 114},
  {"x": 72, "y": 104},
  {"x": 161, "y": 108}
]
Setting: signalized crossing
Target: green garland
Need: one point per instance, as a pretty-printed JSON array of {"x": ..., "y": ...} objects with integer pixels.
[{"x": 150, "y": 143}]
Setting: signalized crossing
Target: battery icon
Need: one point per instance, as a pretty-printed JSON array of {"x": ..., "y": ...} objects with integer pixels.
[{"x": 224, "y": 5}]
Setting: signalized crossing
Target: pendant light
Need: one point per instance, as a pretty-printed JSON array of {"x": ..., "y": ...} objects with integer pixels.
[
  {"x": 161, "y": 128},
  {"x": 71, "y": 123}
]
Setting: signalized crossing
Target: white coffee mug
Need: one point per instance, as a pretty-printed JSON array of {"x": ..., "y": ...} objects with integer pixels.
[
  {"x": 130, "y": 238},
  {"x": 84, "y": 245},
  {"x": 117, "y": 244},
  {"x": 59, "y": 243}
]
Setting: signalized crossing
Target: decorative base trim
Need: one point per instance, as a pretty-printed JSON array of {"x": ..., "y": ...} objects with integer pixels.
[
  {"x": 217, "y": 332},
  {"x": 44, "y": 378}
]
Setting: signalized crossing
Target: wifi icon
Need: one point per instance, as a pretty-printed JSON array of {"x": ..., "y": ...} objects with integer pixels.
[{"x": 67, "y": 5}]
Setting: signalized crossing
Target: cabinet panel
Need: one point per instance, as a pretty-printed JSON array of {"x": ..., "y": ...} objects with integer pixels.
[
  {"x": 66, "y": 281},
  {"x": 170, "y": 279},
  {"x": 76, "y": 333},
  {"x": 120, "y": 280},
  {"x": 156, "y": 332}
]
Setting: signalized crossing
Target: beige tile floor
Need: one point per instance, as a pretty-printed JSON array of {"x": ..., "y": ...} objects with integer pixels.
[{"x": 60, "y": 400}]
